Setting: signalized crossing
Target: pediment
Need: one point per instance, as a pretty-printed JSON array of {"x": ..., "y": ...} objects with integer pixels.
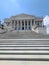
[{"x": 23, "y": 16}]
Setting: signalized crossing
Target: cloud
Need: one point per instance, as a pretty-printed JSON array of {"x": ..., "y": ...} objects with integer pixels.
[
  {"x": 46, "y": 20},
  {"x": 46, "y": 23}
]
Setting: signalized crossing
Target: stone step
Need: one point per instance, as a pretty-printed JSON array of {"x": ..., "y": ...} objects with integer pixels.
[
  {"x": 3, "y": 62},
  {"x": 23, "y": 45},
  {"x": 34, "y": 42},
  {"x": 25, "y": 56},
  {"x": 10, "y": 48},
  {"x": 22, "y": 51}
]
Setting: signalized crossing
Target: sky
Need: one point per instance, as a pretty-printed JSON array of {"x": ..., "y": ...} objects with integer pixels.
[
  {"x": 46, "y": 23},
  {"x": 9, "y": 8}
]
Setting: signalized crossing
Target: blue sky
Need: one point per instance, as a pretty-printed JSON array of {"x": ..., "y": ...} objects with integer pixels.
[{"x": 13, "y": 7}]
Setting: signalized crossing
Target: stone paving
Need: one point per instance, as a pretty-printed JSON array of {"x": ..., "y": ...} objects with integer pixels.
[{"x": 23, "y": 35}]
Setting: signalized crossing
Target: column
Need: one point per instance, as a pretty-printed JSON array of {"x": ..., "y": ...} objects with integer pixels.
[
  {"x": 34, "y": 21},
  {"x": 31, "y": 24},
  {"x": 27, "y": 28},
  {"x": 21, "y": 24},
  {"x": 14, "y": 24},
  {"x": 11, "y": 25},
  {"x": 17, "y": 24},
  {"x": 24, "y": 24},
  {"x": 27, "y": 25}
]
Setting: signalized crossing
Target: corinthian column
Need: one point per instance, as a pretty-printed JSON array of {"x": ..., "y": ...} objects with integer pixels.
[
  {"x": 11, "y": 26},
  {"x": 31, "y": 24},
  {"x": 20, "y": 24},
  {"x": 17, "y": 24},
  {"x": 34, "y": 21},
  {"x": 27, "y": 25},
  {"x": 24, "y": 24},
  {"x": 14, "y": 24}
]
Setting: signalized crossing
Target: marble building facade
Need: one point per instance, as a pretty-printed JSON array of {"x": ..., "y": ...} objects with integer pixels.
[{"x": 23, "y": 22}]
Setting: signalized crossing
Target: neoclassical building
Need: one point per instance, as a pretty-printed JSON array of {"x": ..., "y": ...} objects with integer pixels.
[{"x": 23, "y": 22}]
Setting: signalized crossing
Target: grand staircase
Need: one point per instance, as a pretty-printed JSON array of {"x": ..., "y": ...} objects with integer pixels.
[{"x": 24, "y": 50}]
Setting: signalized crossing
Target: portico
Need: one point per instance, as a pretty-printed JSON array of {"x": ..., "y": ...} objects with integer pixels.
[{"x": 22, "y": 24}]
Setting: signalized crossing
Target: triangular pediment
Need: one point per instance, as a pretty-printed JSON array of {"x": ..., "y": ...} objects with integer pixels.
[{"x": 23, "y": 16}]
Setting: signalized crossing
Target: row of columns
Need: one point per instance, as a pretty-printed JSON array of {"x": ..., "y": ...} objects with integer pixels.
[{"x": 16, "y": 26}]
